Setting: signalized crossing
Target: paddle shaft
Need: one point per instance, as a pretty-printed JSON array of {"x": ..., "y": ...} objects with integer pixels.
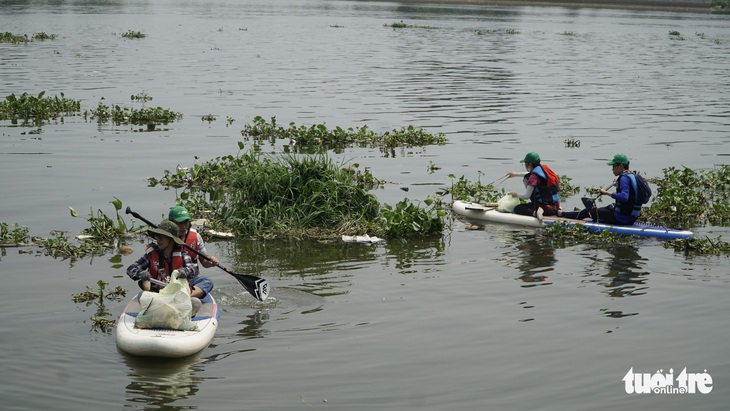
[
  {"x": 153, "y": 225},
  {"x": 256, "y": 286}
]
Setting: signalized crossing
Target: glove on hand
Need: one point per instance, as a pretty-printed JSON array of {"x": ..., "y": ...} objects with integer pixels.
[
  {"x": 144, "y": 275},
  {"x": 178, "y": 274}
]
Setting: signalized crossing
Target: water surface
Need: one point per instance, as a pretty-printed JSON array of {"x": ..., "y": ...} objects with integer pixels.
[{"x": 486, "y": 319}]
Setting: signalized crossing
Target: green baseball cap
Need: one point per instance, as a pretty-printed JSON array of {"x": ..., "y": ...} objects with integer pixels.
[
  {"x": 178, "y": 214},
  {"x": 168, "y": 229},
  {"x": 531, "y": 157},
  {"x": 618, "y": 159}
]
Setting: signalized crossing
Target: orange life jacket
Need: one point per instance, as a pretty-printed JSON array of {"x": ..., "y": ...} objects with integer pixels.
[{"x": 157, "y": 261}]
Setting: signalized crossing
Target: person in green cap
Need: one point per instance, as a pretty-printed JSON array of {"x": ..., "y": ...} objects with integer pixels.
[
  {"x": 625, "y": 210},
  {"x": 161, "y": 258},
  {"x": 542, "y": 186},
  {"x": 180, "y": 216},
  {"x": 201, "y": 285}
]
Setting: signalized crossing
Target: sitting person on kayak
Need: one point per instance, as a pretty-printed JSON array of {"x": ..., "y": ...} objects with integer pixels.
[
  {"x": 180, "y": 216},
  {"x": 542, "y": 186},
  {"x": 164, "y": 256},
  {"x": 624, "y": 211}
]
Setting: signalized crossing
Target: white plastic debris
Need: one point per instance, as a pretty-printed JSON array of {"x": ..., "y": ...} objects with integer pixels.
[{"x": 361, "y": 239}]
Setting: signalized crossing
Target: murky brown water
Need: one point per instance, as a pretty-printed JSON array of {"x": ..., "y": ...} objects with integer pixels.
[{"x": 477, "y": 320}]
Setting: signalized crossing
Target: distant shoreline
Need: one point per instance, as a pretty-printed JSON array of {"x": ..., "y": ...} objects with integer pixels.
[{"x": 668, "y": 5}]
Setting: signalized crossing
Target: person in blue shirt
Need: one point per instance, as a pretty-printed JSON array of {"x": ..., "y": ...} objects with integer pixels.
[{"x": 625, "y": 210}]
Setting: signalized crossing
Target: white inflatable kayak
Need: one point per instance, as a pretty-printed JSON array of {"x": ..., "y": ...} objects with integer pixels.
[
  {"x": 479, "y": 212},
  {"x": 166, "y": 343}
]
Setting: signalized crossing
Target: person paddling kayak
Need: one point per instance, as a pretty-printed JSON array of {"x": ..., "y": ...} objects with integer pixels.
[{"x": 542, "y": 186}]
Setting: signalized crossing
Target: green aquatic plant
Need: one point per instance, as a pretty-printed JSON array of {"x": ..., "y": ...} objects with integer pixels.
[
  {"x": 209, "y": 118},
  {"x": 571, "y": 142},
  {"x": 129, "y": 34},
  {"x": 408, "y": 219},
  {"x": 8, "y": 37},
  {"x": 37, "y": 108},
  {"x": 688, "y": 198},
  {"x": 101, "y": 320},
  {"x": 567, "y": 189},
  {"x": 141, "y": 97},
  {"x": 699, "y": 246},
  {"x": 402, "y": 25},
  {"x": 721, "y": 6},
  {"x": 562, "y": 234},
  {"x": 145, "y": 116},
  {"x": 473, "y": 191},
  {"x": 104, "y": 229},
  {"x": 291, "y": 196},
  {"x": 13, "y": 236},
  {"x": 512, "y": 31},
  {"x": 318, "y": 135},
  {"x": 44, "y": 36},
  {"x": 59, "y": 247}
]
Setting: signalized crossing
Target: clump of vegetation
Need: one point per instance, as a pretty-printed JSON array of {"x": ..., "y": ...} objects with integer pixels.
[
  {"x": 721, "y": 6},
  {"x": 13, "y": 236},
  {"x": 512, "y": 31},
  {"x": 38, "y": 108},
  {"x": 318, "y": 135},
  {"x": 104, "y": 229},
  {"x": 572, "y": 142},
  {"x": 142, "y": 97},
  {"x": 477, "y": 192},
  {"x": 290, "y": 196},
  {"x": 674, "y": 35},
  {"x": 101, "y": 320},
  {"x": 129, "y": 34},
  {"x": 562, "y": 234},
  {"x": 8, "y": 37},
  {"x": 688, "y": 198},
  {"x": 402, "y": 25},
  {"x": 145, "y": 116},
  {"x": 483, "y": 32},
  {"x": 473, "y": 191},
  {"x": 43, "y": 36},
  {"x": 701, "y": 246}
]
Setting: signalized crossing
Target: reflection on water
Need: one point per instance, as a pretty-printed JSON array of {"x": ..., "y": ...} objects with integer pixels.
[
  {"x": 533, "y": 257},
  {"x": 326, "y": 268},
  {"x": 160, "y": 383},
  {"x": 624, "y": 277}
]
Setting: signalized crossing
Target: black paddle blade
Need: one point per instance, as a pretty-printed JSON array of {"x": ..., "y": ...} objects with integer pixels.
[{"x": 258, "y": 287}]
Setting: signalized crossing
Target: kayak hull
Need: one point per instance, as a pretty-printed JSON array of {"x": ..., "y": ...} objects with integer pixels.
[
  {"x": 166, "y": 343},
  {"x": 478, "y": 212}
]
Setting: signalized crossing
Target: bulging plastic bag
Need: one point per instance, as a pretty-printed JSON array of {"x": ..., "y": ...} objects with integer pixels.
[
  {"x": 169, "y": 309},
  {"x": 507, "y": 204}
]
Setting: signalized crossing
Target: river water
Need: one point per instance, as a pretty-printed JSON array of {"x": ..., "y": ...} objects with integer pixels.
[{"x": 486, "y": 319}]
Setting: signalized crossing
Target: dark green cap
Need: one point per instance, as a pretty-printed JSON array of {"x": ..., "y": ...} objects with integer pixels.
[
  {"x": 178, "y": 214},
  {"x": 618, "y": 159},
  {"x": 532, "y": 157}
]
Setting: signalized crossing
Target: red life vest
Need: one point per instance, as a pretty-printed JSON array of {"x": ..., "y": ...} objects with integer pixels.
[
  {"x": 156, "y": 262},
  {"x": 191, "y": 239}
]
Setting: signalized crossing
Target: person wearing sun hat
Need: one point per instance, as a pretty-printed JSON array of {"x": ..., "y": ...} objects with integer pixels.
[
  {"x": 625, "y": 210},
  {"x": 161, "y": 258},
  {"x": 542, "y": 186}
]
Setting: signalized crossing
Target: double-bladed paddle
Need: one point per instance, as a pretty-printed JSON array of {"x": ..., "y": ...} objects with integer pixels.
[{"x": 256, "y": 286}]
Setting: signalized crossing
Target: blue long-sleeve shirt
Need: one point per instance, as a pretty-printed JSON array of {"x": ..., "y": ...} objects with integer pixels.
[{"x": 622, "y": 196}]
